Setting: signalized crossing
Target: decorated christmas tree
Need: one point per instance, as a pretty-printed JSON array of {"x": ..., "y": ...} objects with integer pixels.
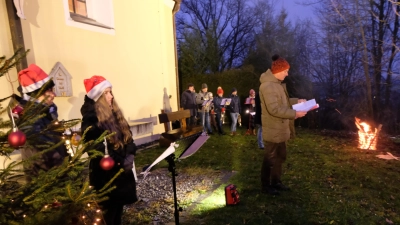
[{"x": 59, "y": 195}]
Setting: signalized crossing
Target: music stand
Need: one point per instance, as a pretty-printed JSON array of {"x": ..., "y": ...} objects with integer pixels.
[{"x": 185, "y": 147}]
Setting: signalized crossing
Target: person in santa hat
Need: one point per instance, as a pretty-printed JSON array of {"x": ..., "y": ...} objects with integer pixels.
[
  {"x": 101, "y": 112},
  {"x": 37, "y": 89}
]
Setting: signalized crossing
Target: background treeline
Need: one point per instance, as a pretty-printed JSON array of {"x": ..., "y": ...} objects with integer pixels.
[{"x": 346, "y": 57}]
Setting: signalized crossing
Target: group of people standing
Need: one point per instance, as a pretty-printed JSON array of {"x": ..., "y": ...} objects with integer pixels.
[
  {"x": 274, "y": 118},
  {"x": 208, "y": 111},
  {"x": 101, "y": 113}
]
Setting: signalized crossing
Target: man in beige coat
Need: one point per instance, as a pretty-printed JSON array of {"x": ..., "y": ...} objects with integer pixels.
[{"x": 277, "y": 123}]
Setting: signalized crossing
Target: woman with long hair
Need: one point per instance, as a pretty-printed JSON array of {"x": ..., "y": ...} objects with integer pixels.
[{"x": 101, "y": 112}]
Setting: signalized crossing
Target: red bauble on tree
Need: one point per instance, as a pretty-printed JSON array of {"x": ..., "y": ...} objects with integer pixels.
[
  {"x": 107, "y": 163},
  {"x": 56, "y": 204},
  {"x": 16, "y": 138},
  {"x": 17, "y": 110}
]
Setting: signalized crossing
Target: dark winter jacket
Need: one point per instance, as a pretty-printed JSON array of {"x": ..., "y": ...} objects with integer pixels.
[
  {"x": 257, "y": 118},
  {"x": 43, "y": 131},
  {"x": 188, "y": 101},
  {"x": 217, "y": 104},
  {"x": 234, "y": 107},
  {"x": 125, "y": 192}
]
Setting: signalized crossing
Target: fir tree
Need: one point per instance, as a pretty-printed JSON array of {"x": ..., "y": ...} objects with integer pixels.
[{"x": 61, "y": 195}]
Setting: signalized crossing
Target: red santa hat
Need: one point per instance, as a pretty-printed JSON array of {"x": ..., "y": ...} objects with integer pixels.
[
  {"x": 32, "y": 79},
  {"x": 95, "y": 86}
]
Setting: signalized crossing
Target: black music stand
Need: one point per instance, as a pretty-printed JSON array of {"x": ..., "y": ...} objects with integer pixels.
[{"x": 187, "y": 147}]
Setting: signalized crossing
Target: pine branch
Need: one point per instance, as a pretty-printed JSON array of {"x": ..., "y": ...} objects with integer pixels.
[{"x": 7, "y": 64}]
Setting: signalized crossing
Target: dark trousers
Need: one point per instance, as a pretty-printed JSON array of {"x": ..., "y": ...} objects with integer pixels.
[
  {"x": 113, "y": 213},
  {"x": 191, "y": 121},
  {"x": 271, "y": 169},
  {"x": 213, "y": 122},
  {"x": 219, "y": 122}
]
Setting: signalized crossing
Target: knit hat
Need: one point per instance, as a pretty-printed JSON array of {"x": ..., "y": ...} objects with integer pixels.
[
  {"x": 233, "y": 90},
  {"x": 32, "y": 79},
  {"x": 204, "y": 85},
  {"x": 252, "y": 92},
  {"x": 220, "y": 91},
  {"x": 95, "y": 86},
  {"x": 279, "y": 64}
]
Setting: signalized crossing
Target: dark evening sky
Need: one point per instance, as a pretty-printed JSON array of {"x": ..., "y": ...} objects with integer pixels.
[{"x": 295, "y": 9}]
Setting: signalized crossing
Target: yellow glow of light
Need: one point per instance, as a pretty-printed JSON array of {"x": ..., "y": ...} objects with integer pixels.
[
  {"x": 97, "y": 219},
  {"x": 367, "y": 137},
  {"x": 88, "y": 204},
  {"x": 83, "y": 217},
  {"x": 98, "y": 210}
]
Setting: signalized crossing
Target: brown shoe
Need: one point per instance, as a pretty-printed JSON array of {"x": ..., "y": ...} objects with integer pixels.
[
  {"x": 234, "y": 133},
  {"x": 231, "y": 134}
]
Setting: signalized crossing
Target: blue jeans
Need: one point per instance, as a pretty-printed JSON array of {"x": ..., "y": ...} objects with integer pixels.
[
  {"x": 206, "y": 123},
  {"x": 234, "y": 117},
  {"x": 259, "y": 136}
]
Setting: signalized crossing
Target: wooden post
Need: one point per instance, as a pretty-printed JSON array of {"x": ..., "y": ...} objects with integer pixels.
[
  {"x": 16, "y": 33},
  {"x": 183, "y": 121}
]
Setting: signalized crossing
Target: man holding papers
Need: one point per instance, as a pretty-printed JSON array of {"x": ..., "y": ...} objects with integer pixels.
[{"x": 277, "y": 123}]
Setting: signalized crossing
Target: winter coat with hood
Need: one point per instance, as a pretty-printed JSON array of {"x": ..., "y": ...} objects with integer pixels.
[
  {"x": 277, "y": 114},
  {"x": 125, "y": 192}
]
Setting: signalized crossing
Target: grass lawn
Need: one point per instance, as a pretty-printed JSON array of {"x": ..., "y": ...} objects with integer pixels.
[{"x": 332, "y": 181}]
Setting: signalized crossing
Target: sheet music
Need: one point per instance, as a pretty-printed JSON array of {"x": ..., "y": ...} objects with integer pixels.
[
  {"x": 206, "y": 102},
  {"x": 226, "y": 101},
  {"x": 169, "y": 151},
  {"x": 248, "y": 101},
  {"x": 306, "y": 106}
]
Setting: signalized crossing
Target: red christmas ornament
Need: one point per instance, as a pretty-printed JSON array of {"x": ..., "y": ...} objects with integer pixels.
[
  {"x": 16, "y": 138},
  {"x": 107, "y": 162},
  {"x": 17, "y": 110},
  {"x": 56, "y": 204}
]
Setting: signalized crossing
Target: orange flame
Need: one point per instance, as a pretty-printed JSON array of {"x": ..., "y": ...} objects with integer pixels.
[{"x": 367, "y": 138}]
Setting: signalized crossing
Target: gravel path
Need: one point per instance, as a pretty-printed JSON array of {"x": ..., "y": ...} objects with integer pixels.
[{"x": 156, "y": 202}]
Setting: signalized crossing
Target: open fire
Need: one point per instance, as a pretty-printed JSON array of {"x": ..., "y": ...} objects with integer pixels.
[{"x": 367, "y": 136}]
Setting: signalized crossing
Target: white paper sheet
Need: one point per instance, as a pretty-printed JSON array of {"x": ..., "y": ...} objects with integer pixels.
[
  {"x": 305, "y": 106},
  {"x": 169, "y": 151}
]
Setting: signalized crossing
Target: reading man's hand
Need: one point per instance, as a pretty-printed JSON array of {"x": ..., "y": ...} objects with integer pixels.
[
  {"x": 300, "y": 114},
  {"x": 301, "y": 100}
]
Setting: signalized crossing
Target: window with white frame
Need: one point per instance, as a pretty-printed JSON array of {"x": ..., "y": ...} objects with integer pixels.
[{"x": 95, "y": 15}]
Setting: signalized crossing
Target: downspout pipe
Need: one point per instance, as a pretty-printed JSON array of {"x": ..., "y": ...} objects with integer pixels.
[{"x": 176, "y": 8}]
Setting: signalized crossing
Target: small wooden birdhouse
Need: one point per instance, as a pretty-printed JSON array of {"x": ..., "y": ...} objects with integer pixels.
[{"x": 62, "y": 80}]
